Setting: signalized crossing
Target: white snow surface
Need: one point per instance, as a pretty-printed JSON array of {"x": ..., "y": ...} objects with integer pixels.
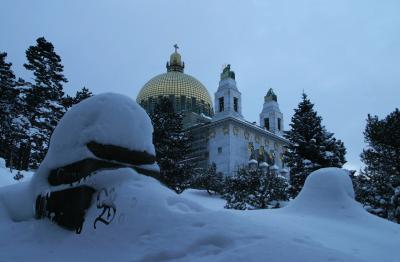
[
  {"x": 7, "y": 177},
  {"x": 105, "y": 118},
  {"x": 153, "y": 223},
  {"x": 110, "y": 119}
]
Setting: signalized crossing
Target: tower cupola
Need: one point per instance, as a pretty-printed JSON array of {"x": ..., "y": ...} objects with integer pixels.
[
  {"x": 271, "y": 118},
  {"x": 228, "y": 99},
  {"x": 175, "y": 62}
]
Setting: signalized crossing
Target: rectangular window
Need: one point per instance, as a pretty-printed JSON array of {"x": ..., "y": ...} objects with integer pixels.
[
  {"x": 235, "y": 104},
  {"x": 266, "y": 123},
  {"x": 221, "y": 104},
  {"x": 194, "y": 104},
  {"x": 183, "y": 103},
  {"x": 279, "y": 124},
  {"x": 219, "y": 150}
]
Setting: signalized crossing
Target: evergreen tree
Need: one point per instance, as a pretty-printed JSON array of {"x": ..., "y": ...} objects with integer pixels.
[
  {"x": 13, "y": 125},
  {"x": 172, "y": 145},
  {"x": 311, "y": 146},
  {"x": 208, "y": 179},
  {"x": 82, "y": 94},
  {"x": 378, "y": 186},
  {"x": 255, "y": 189},
  {"x": 44, "y": 97},
  {"x": 68, "y": 101}
]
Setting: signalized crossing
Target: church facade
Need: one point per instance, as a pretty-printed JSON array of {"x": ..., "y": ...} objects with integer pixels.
[{"x": 221, "y": 135}]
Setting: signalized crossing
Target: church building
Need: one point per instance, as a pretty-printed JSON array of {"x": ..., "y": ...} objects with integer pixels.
[{"x": 220, "y": 133}]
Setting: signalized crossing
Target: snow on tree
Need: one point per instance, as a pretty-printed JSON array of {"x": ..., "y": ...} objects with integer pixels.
[
  {"x": 378, "y": 185},
  {"x": 44, "y": 96},
  {"x": 255, "y": 189},
  {"x": 172, "y": 145},
  {"x": 13, "y": 125},
  {"x": 68, "y": 101},
  {"x": 311, "y": 145},
  {"x": 208, "y": 179}
]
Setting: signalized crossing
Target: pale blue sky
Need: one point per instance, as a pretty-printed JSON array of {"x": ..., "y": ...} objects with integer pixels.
[{"x": 344, "y": 54}]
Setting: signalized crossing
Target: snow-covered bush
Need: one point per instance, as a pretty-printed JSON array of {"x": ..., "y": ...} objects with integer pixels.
[
  {"x": 254, "y": 189},
  {"x": 207, "y": 179}
]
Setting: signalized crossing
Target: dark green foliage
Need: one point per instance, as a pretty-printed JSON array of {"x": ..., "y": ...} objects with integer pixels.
[
  {"x": 69, "y": 101},
  {"x": 13, "y": 125},
  {"x": 378, "y": 186},
  {"x": 254, "y": 189},
  {"x": 44, "y": 97},
  {"x": 29, "y": 112},
  {"x": 208, "y": 179},
  {"x": 311, "y": 146},
  {"x": 172, "y": 145}
]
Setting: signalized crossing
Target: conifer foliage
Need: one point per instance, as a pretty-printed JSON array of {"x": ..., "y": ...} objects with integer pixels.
[
  {"x": 29, "y": 111},
  {"x": 44, "y": 97},
  {"x": 208, "y": 179},
  {"x": 378, "y": 186},
  {"x": 311, "y": 145},
  {"x": 255, "y": 189},
  {"x": 13, "y": 125},
  {"x": 172, "y": 145}
]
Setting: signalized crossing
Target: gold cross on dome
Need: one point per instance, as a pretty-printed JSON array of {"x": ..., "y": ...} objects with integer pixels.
[{"x": 176, "y": 47}]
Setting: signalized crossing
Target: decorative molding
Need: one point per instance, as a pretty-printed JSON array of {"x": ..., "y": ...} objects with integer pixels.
[
  {"x": 235, "y": 130},
  {"x": 225, "y": 129},
  {"x": 211, "y": 134},
  {"x": 246, "y": 134}
]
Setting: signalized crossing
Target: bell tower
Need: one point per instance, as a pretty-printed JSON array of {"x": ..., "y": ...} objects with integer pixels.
[
  {"x": 228, "y": 99},
  {"x": 271, "y": 118}
]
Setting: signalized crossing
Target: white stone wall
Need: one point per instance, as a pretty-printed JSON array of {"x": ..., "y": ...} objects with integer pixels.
[
  {"x": 228, "y": 90},
  {"x": 271, "y": 110},
  {"x": 234, "y": 138}
]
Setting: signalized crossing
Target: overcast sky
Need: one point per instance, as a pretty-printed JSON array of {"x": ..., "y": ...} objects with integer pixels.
[{"x": 344, "y": 54}]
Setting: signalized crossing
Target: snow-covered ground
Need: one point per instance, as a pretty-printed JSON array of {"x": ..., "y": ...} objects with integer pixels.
[
  {"x": 152, "y": 223},
  {"x": 7, "y": 177}
]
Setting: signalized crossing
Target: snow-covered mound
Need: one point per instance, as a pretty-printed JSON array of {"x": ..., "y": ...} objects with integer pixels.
[
  {"x": 110, "y": 119},
  {"x": 152, "y": 223},
  {"x": 132, "y": 217},
  {"x": 104, "y": 132},
  {"x": 327, "y": 191}
]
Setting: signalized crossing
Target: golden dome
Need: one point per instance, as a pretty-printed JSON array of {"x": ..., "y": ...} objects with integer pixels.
[{"x": 186, "y": 92}]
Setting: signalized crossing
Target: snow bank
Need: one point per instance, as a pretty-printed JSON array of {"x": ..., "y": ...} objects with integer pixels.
[
  {"x": 327, "y": 191},
  {"x": 152, "y": 223},
  {"x": 107, "y": 119}
]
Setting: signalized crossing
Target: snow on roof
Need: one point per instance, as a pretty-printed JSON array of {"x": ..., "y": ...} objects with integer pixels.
[
  {"x": 263, "y": 164},
  {"x": 274, "y": 167},
  {"x": 253, "y": 161}
]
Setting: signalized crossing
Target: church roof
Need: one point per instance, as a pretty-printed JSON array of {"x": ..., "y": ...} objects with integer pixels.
[{"x": 175, "y": 82}]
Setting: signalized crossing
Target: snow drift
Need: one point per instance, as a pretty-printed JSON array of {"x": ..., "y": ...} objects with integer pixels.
[{"x": 152, "y": 223}]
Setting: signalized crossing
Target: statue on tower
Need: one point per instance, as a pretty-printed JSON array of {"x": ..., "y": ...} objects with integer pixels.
[
  {"x": 227, "y": 73},
  {"x": 271, "y": 96}
]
